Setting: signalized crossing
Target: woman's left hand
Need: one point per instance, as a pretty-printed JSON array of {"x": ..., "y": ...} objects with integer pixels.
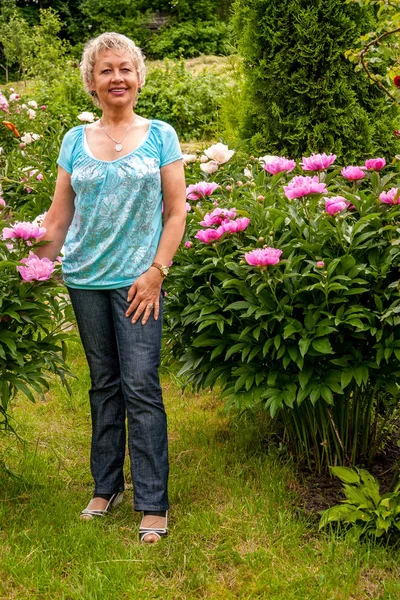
[{"x": 144, "y": 296}]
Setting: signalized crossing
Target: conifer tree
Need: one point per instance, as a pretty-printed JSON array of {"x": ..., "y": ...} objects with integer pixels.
[{"x": 302, "y": 94}]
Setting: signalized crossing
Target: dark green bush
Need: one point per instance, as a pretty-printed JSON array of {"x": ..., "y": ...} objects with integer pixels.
[
  {"x": 190, "y": 39},
  {"x": 302, "y": 94}
]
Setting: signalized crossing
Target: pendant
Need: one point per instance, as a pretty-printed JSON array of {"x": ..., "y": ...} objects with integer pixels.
[{"x": 118, "y": 147}]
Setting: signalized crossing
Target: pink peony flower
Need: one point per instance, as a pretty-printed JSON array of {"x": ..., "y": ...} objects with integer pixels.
[
  {"x": 199, "y": 190},
  {"x": 209, "y": 167},
  {"x": 278, "y": 164},
  {"x": 208, "y": 236},
  {"x": 217, "y": 216},
  {"x": 390, "y": 197},
  {"x": 43, "y": 107},
  {"x": 24, "y": 230},
  {"x": 228, "y": 188},
  {"x": 262, "y": 257},
  {"x": 353, "y": 173},
  {"x": 188, "y": 244},
  {"x": 320, "y": 264},
  {"x": 2, "y": 202},
  {"x": 39, "y": 177},
  {"x": 303, "y": 186},
  {"x": 188, "y": 207},
  {"x": 335, "y": 204},
  {"x": 3, "y": 103},
  {"x": 36, "y": 269},
  {"x": 235, "y": 226},
  {"x": 375, "y": 164},
  {"x": 318, "y": 162}
]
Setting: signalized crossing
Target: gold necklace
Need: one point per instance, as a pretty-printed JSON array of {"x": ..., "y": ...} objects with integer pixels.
[{"x": 118, "y": 144}]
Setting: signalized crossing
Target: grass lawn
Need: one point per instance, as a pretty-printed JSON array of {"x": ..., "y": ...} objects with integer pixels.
[{"x": 236, "y": 530}]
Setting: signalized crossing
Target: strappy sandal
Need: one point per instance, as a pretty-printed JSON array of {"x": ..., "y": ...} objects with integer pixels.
[
  {"x": 159, "y": 533},
  {"x": 115, "y": 499}
]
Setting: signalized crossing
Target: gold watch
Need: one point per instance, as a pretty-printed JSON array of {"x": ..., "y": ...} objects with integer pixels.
[{"x": 164, "y": 270}]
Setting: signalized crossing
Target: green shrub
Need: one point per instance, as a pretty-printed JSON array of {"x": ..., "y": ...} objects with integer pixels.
[
  {"x": 190, "y": 103},
  {"x": 364, "y": 511},
  {"x": 317, "y": 347},
  {"x": 190, "y": 39},
  {"x": 302, "y": 93}
]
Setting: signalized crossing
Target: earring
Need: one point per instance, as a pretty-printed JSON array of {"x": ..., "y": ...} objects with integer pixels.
[{"x": 92, "y": 93}]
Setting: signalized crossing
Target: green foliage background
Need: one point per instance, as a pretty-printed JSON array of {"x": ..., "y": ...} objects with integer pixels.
[
  {"x": 188, "y": 28},
  {"x": 302, "y": 93}
]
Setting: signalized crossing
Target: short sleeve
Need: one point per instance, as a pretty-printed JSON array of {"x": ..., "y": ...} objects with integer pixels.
[
  {"x": 65, "y": 158},
  {"x": 170, "y": 149}
]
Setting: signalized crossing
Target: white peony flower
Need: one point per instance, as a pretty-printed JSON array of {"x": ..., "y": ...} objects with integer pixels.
[
  {"x": 24, "y": 106},
  {"x": 248, "y": 173},
  {"x": 39, "y": 219},
  {"x": 28, "y": 138},
  {"x": 220, "y": 153},
  {"x": 14, "y": 97},
  {"x": 204, "y": 158},
  {"x": 189, "y": 158},
  {"x": 268, "y": 158},
  {"x": 33, "y": 104},
  {"x": 87, "y": 116},
  {"x": 31, "y": 113},
  {"x": 209, "y": 167}
]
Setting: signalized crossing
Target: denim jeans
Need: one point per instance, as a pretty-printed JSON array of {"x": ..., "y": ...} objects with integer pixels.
[{"x": 123, "y": 361}]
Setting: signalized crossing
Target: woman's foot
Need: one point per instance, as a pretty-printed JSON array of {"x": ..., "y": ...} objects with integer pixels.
[
  {"x": 99, "y": 507},
  {"x": 153, "y": 528}
]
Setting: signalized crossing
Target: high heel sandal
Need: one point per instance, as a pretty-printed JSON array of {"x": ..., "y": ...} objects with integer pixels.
[
  {"x": 88, "y": 513},
  {"x": 158, "y": 532}
]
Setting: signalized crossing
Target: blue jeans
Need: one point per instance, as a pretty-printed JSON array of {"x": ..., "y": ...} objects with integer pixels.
[{"x": 123, "y": 361}]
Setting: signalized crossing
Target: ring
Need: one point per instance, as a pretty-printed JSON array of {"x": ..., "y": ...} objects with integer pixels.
[{"x": 150, "y": 306}]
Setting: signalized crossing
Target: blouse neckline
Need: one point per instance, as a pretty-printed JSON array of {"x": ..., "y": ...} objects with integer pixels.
[{"x": 108, "y": 162}]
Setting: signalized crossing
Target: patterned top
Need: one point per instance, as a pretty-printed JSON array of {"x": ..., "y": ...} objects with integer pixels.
[{"x": 116, "y": 229}]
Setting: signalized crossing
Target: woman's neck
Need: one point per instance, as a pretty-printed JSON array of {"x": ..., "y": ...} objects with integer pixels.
[{"x": 115, "y": 118}]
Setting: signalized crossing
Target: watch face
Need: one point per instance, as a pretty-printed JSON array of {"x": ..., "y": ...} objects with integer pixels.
[{"x": 164, "y": 271}]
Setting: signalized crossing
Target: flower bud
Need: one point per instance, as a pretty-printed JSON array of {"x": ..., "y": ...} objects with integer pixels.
[{"x": 260, "y": 198}]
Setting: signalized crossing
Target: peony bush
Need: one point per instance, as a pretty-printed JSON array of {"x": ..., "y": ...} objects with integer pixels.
[
  {"x": 298, "y": 310},
  {"x": 34, "y": 312}
]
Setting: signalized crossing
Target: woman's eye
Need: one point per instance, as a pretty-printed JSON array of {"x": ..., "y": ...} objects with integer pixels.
[{"x": 106, "y": 71}]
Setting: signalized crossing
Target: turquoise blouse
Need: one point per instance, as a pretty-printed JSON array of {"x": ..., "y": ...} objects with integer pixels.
[{"x": 116, "y": 229}]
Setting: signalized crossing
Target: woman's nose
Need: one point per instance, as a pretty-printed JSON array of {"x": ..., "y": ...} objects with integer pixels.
[{"x": 117, "y": 76}]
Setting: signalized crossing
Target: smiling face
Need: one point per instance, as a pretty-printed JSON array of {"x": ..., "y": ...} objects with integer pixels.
[{"x": 115, "y": 79}]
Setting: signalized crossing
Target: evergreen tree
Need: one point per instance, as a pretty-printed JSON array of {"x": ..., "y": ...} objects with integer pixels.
[{"x": 302, "y": 94}]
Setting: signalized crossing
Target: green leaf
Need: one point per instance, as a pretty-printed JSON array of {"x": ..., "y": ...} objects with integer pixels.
[
  {"x": 304, "y": 344},
  {"x": 346, "y": 474},
  {"x": 346, "y": 377},
  {"x": 322, "y": 345}
]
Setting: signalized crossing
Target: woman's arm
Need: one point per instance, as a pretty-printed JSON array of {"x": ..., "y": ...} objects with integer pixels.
[
  {"x": 59, "y": 216},
  {"x": 146, "y": 289}
]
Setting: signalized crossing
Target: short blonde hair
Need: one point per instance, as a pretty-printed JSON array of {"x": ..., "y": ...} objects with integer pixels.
[{"x": 110, "y": 41}]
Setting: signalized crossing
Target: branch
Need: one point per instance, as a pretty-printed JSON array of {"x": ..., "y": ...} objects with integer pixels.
[{"x": 368, "y": 72}]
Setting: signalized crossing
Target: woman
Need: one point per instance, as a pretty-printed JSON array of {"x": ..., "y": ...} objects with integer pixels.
[{"x": 113, "y": 176}]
